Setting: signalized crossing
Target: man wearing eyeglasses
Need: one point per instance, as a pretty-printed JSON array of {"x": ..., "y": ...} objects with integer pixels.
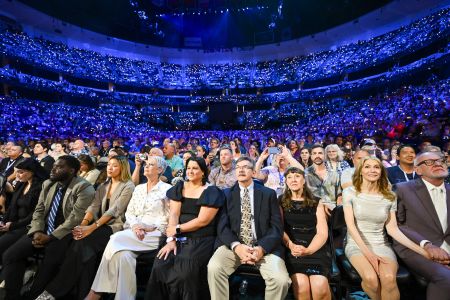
[
  {"x": 423, "y": 216},
  {"x": 249, "y": 232}
]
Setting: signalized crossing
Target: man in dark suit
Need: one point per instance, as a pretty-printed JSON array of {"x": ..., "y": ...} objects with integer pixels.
[
  {"x": 424, "y": 216},
  {"x": 62, "y": 204},
  {"x": 7, "y": 165},
  {"x": 249, "y": 232}
]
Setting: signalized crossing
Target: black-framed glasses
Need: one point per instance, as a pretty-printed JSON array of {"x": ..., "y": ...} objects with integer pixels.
[{"x": 432, "y": 162}]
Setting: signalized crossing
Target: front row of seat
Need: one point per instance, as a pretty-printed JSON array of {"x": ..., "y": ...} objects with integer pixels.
[{"x": 247, "y": 281}]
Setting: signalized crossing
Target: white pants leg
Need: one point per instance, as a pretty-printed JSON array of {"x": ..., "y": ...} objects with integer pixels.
[{"x": 117, "y": 275}]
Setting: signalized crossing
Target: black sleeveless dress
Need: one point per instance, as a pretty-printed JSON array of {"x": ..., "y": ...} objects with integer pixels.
[
  {"x": 184, "y": 276},
  {"x": 300, "y": 225}
]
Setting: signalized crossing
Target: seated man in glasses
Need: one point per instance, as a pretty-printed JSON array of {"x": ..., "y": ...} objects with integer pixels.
[
  {"x": 423, "y": 216},
  {"x": 249, "y": 231}
]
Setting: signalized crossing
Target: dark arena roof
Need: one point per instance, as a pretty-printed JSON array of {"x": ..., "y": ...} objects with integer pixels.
[{"x": 206, "y": 24}]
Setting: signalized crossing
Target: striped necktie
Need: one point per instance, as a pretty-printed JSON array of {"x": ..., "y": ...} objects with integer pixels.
[{"x": 53, "y": 211}]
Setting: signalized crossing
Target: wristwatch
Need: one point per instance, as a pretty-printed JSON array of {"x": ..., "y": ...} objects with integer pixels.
[
  {"x": 170, "y": 239},
  {"x": 178, "y": 229}
]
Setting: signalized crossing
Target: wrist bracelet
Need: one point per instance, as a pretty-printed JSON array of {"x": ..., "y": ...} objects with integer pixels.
[{"x": 96, "y": 223}]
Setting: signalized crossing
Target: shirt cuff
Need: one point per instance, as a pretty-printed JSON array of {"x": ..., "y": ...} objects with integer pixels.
[
  {"x": 423, "y": 242},
  {"x": 234, "y": 244}
]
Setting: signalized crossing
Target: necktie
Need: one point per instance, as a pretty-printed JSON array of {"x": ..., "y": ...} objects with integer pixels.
[
  {"x": 440, "y": 205},
  {"x": 53, "y": 211},
  {"x": 246, "y": 221}
]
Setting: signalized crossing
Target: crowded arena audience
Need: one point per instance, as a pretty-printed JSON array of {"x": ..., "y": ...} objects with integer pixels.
[
  {"x": 81, "y": 63},
  {"x": 92, "y": 180}
]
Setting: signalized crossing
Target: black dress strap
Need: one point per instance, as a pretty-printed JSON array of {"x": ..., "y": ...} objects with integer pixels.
[
  {"x": 212, "y": 196},
  {"x": 176, "y": 192}
]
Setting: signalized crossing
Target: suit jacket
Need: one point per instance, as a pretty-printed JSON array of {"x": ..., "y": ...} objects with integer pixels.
[
  {"x": 117, "y": 204},
  {"x": 267, "y": 217},
  {"x": 79, "y": 195},
  {"x": 416, "y": 216},
  {"x": 4, "y": 164}
]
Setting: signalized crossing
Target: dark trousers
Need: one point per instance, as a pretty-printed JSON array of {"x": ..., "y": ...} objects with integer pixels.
[
  {"x": 438, "y": 275},
  {"x": 8, "y": 238},
  {"x": 15, "y": 260},
  {"x": 77, "y": 272}
]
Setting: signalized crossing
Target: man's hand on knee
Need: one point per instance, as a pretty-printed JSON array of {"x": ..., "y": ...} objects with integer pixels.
[
  {"x": 40, "y": 239},
  {"x": 437, "y": 254}
]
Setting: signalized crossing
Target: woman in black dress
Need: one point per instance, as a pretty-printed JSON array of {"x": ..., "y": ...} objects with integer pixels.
[
  {"x": 25, "y": 196},
  {"x": 180, "y": 269},
  {"x": 308, "y": 260}
]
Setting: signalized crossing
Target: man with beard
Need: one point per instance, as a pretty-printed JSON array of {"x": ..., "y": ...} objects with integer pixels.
[
  {"x": 404, "y": 171},
  {"x": 62, "y": 204},
  {"x": 423, "y": 216},
  {"x": 223, "y": 176},
  {"x": 324, "y": 184}
]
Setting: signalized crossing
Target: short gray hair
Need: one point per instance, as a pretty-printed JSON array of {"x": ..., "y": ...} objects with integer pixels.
[{"x": 160, "y": 163}]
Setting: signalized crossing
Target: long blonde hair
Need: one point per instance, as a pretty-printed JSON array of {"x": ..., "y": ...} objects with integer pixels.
[{"x": 383, "y": 185}]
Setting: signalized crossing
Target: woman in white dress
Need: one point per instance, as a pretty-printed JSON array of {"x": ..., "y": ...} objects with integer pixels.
[{"x": 146, "y": 220}]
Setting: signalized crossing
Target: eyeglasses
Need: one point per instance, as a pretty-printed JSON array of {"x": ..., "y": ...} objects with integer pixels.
[
  {"x": 432, "y": 162},
  {"x": 244, "y": 167}
]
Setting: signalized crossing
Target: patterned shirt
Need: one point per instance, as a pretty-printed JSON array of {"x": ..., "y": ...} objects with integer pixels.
[
  {"x": 328, "y": 189},
  {"x": 222, "y": 179},
  {"x": 150, "y": 208}
]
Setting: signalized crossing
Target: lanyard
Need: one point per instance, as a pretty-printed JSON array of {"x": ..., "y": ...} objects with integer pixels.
[
  {"x": 281, "y": 178},
  {"x": 406, "y": 176},
  {"x": 9, "y": 165}
]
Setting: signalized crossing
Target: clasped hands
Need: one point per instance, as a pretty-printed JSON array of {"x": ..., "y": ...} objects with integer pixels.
[
  {"x": 298, "y": 250},
  {"x": 437, "y": 254},
  {"x": 140, "y": 230},
  {"x": 80, "y": 232},
  {"x": 40, "y": 239},
  {"x": 249, "y": 255}
]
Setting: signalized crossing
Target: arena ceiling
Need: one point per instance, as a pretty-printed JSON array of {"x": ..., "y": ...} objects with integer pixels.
[{"x": 207, "y": 24}]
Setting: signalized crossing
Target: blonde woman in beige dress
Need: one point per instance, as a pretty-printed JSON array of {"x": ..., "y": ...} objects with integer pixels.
[{"x": 369, "y": 209}]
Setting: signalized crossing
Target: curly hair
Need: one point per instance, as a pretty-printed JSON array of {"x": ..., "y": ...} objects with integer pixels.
[
  {"x": 340, "y": 153},
  {"x": 286, "y": 198},
  {"x": 384, "y": 187}
]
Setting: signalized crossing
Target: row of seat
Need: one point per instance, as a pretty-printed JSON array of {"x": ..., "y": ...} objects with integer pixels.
[{"x": 247, "y": 283}]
